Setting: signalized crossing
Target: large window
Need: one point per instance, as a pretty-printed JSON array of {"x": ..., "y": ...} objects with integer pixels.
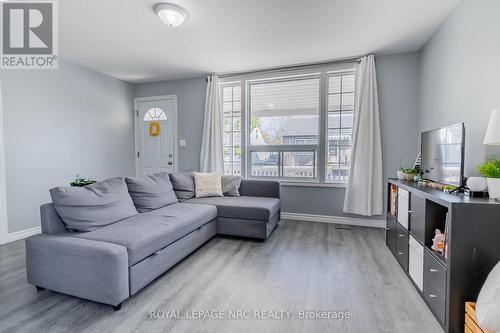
[{"x": 295, "y": 125}]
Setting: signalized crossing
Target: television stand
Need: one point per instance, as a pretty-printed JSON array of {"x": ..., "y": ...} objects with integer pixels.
[{"x": 445, "y": 283}]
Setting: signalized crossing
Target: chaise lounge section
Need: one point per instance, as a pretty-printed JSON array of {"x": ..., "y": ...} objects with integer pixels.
[
  {"x": 111, "y": 263},
  {"x": 255, "y": 213}
]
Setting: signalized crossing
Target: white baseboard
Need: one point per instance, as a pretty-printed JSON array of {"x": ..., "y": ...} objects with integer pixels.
[
  {"x": 22, "y": 234},
  {"x": 378, "y": 223}
]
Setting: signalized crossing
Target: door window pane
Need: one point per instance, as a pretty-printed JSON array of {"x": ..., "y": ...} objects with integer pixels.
[{"x": 155, "y": 114}]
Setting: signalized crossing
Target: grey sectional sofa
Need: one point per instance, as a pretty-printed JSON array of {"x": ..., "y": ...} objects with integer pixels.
[{"x": 111, "y": 263}]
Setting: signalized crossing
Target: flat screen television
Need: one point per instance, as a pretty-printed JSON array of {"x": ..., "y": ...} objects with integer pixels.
[{"x": 442, "y": 154}]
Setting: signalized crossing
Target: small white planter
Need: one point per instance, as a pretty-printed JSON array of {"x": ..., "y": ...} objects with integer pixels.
[
  {"x": 401, "y": 175},
  {"x": 494, "y": 187}
]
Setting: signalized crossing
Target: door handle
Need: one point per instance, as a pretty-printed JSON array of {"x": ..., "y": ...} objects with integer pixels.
[
  {"x": 170, "y": 163},
  {"x": 432, "y": 270},
  {"x": 400, "y": 253},
  {"x": 433, "y": 296},
  {"x": 410, "y": 211},
  {"x": 401, "y": 235}
]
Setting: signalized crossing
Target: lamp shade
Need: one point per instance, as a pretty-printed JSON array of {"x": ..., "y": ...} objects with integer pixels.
[{"x": 492, "y": 136}]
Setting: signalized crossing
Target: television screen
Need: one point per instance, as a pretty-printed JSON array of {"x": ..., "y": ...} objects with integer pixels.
[{"x": 442, "y": 154}]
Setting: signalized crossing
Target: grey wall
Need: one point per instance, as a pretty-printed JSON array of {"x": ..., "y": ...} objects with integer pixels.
[
  {"x": 398, "y": 83},
  {"x": 460, "y": 76},
  {"x": 59, "y": 123},
  {"x": 191, "y": 102}
]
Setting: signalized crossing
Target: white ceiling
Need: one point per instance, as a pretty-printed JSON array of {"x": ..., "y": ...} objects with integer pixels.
[{"x": 125, "y": 39}]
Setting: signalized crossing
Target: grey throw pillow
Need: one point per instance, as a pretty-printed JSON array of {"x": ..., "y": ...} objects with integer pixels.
[
  {"x": 183, "y": 184},
  {"x": 93, "y": 206},
  {"x": 151, "y": 192},
  {"x": 231, "y": 186}
]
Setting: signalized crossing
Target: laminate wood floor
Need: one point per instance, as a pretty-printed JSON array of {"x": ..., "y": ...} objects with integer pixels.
[{"x": 304, "y": 266}]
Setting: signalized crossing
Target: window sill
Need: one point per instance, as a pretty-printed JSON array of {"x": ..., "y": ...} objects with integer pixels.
[
  {"x": 302, "y": 182},
  {"x": 291, "y": 183}
]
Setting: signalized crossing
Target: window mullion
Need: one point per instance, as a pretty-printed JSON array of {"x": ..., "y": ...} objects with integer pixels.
[{"x": 323, "y": 127}]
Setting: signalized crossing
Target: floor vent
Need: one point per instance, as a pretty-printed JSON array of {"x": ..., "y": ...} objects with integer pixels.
[{"x": 343, "y": 228}]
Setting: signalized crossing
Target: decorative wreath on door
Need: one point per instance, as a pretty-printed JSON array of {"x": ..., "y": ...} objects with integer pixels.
[{"x": 154, "y": 128}]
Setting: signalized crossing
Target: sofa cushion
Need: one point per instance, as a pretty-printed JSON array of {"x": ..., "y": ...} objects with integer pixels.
[
  {"x": 146, "y": 233},
  {"x": 183, "y": 184},
  {"x": 151, "y": 192},
  {"x": 207, "y": 184},
  {"x": 93, "y": 206},
  {"x": 231, "y": 185},
  {"x": 246, "y": 208}
]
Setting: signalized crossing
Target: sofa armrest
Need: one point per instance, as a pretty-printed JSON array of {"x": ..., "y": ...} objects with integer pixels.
[
  {"x": 260, "y": 188},
  {"x": 50, "y": 220},
  {"x": 85, "y": 268}
]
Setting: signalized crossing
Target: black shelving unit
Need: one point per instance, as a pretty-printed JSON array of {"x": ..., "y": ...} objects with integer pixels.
[{"x": 473, "y": 240}]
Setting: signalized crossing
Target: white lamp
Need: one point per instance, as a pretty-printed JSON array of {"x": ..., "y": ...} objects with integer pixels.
[{"x": 492, "y": 136}]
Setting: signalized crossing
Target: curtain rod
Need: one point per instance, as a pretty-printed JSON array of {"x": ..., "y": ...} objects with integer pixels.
[{"x": 283, "y": 68}]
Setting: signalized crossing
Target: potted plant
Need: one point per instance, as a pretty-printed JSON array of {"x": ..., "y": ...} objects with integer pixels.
[
  {"x": 401, "y": 174},
  {"x": 410, "y": 174},
  {"x": 80, "y": 182},
  {"x": 491, "y": 170}
]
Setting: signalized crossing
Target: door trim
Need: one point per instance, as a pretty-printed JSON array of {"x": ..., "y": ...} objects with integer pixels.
[
  {"x": 136, "y": 127},
  {"x": 4, "y": 227}
]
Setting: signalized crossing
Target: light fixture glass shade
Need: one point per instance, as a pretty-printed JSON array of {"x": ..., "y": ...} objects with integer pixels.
[
  {"x": 170, "y": 14},
  {"x": 492, "y": 136}
]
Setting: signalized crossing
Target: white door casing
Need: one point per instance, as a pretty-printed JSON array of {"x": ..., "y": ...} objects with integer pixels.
[{"x": 155, "y": 153}]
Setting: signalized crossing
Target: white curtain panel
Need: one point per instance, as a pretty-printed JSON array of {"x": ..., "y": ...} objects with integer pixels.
[
  {"x": 364, "y": 190},
  {"x": 212, "y": 154}
]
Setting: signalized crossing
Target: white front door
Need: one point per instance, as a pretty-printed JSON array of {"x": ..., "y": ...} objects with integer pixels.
[{"x": 155, "y": 137}]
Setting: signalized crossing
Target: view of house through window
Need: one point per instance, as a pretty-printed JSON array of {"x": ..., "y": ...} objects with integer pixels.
[
  {"x": 283, "y": 122},
  {"x": 284, "y": 113}
]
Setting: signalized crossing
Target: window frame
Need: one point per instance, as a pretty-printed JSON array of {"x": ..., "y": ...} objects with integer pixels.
[{"x": 323, "y": 72}]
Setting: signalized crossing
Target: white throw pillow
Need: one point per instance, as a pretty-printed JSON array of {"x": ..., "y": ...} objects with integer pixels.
[
  {"x": 207, "y": 184},
  {"x": 488, "y": 302}
]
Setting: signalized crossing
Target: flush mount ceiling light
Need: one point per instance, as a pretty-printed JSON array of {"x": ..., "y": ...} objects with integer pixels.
[{"x": 170, "y": 14}]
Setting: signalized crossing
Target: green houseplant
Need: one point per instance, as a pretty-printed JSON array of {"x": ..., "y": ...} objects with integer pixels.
[
  {"x": 79, "y": 181},
  {"x": 491, "y": 170},
  {"x": 401, "y": 174},
  {"x": 410, "y": 173}
]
